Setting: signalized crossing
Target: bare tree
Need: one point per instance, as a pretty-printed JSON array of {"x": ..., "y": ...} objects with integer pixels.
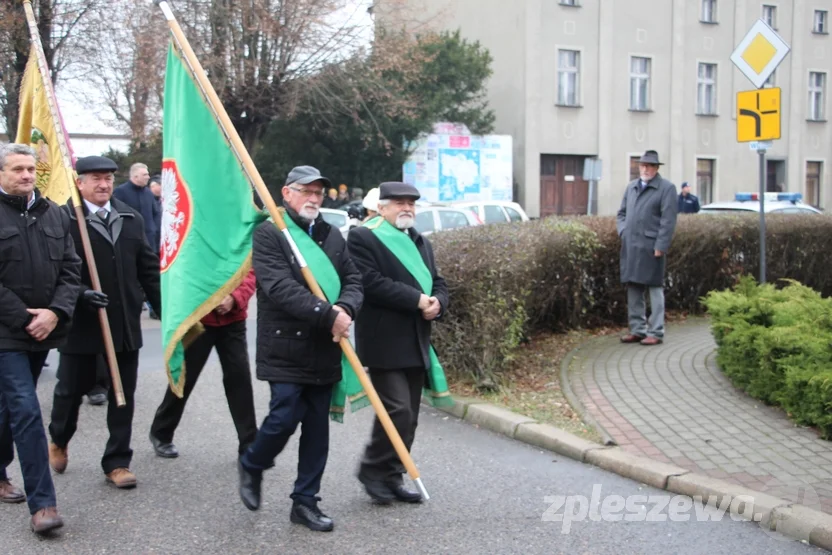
[
  {"x": 254, "y": 49},
  {"x": 64, "y": 33},
  {"x": 127, "y": 69}
]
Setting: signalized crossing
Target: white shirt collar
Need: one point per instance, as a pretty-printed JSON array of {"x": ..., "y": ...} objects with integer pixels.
[
  {"x": 31, "y": 198},
  {"x": 94, "y": 209}
]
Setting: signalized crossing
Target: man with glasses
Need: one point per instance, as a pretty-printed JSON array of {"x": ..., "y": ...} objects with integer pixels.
[{"x": 297, "y": 341}]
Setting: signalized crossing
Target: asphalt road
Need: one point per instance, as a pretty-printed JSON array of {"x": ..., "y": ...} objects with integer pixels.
[{"x": 488, "y": 493}]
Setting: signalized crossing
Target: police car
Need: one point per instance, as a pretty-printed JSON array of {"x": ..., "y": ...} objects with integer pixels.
[{"x": 775, "y": 203}]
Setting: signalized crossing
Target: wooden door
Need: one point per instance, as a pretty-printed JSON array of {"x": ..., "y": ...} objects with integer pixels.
[{"x": 563, "y": 192}]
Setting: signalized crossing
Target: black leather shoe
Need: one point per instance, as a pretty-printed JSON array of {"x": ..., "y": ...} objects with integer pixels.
[
  {"x": 377, "y": 490},
  {"x": 403, "y": 494},
  {"x": 97, "y": 399},
  {"x": 249, "y": 487},
  {"x": 164, "y": 450},
  {"x": 311, "y": 517}
]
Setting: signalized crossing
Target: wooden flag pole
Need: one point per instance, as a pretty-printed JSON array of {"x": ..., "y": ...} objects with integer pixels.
[
  {"x": 254, "y": 176},
  {"x": 76, "y": 200}
]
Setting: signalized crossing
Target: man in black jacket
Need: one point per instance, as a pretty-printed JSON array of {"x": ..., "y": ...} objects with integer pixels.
[
  {"x": 128, "y": 269},
  {"x": 297, "y": 342},
  {"x": 39, "y": 281},
  {"x": 394, "y": 328}
]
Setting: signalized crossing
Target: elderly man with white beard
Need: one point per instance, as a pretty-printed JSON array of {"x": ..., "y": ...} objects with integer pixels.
[
  {"x": 297, "y": 342},
  {"x": 403, "y": 295}
]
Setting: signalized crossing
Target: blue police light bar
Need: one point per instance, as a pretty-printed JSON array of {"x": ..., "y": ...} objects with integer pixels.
[
  {"x": 791, "y": 197},
  {"x": 746, "y": 196}
]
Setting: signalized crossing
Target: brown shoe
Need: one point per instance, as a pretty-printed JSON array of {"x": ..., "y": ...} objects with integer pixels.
[
  {"x": 58, "y": 457},
  {"x": 630, "y": 338},
  {"x": 651, "y": 341},
  {"x": 10, "y": 494},
  {"x": 45, "y": 520},
  {"x": 122, "y": 478}
]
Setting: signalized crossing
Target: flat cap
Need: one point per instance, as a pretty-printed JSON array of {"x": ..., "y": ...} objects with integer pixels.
[
  {"x": 397, "y": 189},
  {"x": 304, "y": 175},
  {"x": 90, "y": 164}
]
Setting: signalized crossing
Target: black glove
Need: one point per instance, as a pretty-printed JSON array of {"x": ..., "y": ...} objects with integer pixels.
[{"x": 96, "y": 299}]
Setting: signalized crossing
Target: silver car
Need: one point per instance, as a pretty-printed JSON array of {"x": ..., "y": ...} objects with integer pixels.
[
  {"x": 340, "y": 219},
  {"x": 430, "y": 219}
]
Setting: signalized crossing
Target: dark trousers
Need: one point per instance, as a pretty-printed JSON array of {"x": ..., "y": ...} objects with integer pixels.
[
  {"x": 21, "y": 425},
  {"x": 102, "y": 373},
  {"x": 76, "y": 377},
  {"x": 400, "y": 392},
  {"x": 294, "y": 404},
  {"x": 232, "y": 349}
]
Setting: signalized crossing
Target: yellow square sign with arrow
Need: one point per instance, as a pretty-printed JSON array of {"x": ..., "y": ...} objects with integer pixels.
[{"x": 758, "y": 115}]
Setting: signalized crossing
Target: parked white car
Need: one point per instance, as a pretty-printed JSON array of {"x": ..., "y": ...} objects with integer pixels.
[
  {"x": 440, "y": 218},
  {"x": 776, "y": 203},
  {"x": 340, "y": 219},
  {"x": 495, "y": 211}
]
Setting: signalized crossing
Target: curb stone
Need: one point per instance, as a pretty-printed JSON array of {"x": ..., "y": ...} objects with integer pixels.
[
  {"x": 741, "y": 500},
  {"x": 554, "y": 439},
  {"x": 646, "y": 471},
  {"x": 794, "y": 521}
]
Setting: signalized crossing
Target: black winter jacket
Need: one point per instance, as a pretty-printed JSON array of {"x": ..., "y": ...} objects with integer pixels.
[
  {"x": 38, "y": 269},
  {"x": 390, "y": 331},
  {"x": 128, "y": 269},
  {"x": 294, "y": 327}
]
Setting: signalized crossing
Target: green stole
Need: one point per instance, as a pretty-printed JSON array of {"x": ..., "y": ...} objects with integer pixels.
[
  {"x": 404, "y": 249},
  {"x": 349, "y": 388}
]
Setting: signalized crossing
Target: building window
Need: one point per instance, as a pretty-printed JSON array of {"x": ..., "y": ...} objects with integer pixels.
[
  {"x": 771, "y": 81},
  {"x": 569, "y": 77},
  {"x": 639, "y": 83},
  {"x": 817, "y": 95},
  {"x": 705, "y": 180},
  {"x": 634, "y": 173},
  {"x": 813, "y": 173},
  {"x": 706, "y": 90},
  {"x": 821, "y": 25},
  {"x": 770, "y": 16},
  {"x": 708, "y": 11}
]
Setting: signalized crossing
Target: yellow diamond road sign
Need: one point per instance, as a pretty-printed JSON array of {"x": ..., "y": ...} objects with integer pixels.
[{"x": 759, "y": 53}]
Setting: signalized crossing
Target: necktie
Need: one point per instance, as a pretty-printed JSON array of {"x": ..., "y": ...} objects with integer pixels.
[
  {"x": 103, "y": 214},
  {"x": 310, "y": 229}
]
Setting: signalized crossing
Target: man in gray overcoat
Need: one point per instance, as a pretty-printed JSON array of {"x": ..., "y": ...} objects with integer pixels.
[{"x": 646, "y": 222}]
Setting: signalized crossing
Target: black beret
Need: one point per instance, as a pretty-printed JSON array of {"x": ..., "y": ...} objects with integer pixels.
[
  {"x": 397, "y": 189},
  {"x": 90, "y": 164}
]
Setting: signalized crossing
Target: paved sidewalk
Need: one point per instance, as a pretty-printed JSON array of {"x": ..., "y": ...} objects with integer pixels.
[{"x": 672, "y": 403}]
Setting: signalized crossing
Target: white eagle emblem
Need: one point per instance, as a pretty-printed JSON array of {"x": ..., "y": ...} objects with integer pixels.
[{"x": 172, "y": 217}]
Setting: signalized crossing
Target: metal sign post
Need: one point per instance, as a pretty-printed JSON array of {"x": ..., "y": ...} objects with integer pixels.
[
  {"x": 762, "y": 154},
  {"x": 758, "y": 112}
]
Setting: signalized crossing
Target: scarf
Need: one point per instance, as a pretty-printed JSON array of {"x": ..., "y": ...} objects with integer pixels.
[
  {"x": 404, "y": 249},
  {"x": 349, "y": 388}
]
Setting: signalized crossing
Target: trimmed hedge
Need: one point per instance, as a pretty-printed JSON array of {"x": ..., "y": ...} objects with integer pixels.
[
  {"x": 776, "y": 344},
  {"x": 508, "y": 281}
]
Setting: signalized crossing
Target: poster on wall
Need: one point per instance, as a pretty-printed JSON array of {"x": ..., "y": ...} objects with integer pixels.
[{"x": 447, "y": 166}]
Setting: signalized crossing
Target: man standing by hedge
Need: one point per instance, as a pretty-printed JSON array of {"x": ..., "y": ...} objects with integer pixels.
[
  {"x": 646, "y": 223},
  {"x": 403, "y": 294}
]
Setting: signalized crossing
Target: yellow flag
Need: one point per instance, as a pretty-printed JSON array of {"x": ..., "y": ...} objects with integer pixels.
[{"x": 37, "y": 127}]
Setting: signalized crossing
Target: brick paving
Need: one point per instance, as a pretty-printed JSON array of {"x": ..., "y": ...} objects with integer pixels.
[{"x": 671, "y": 403}]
